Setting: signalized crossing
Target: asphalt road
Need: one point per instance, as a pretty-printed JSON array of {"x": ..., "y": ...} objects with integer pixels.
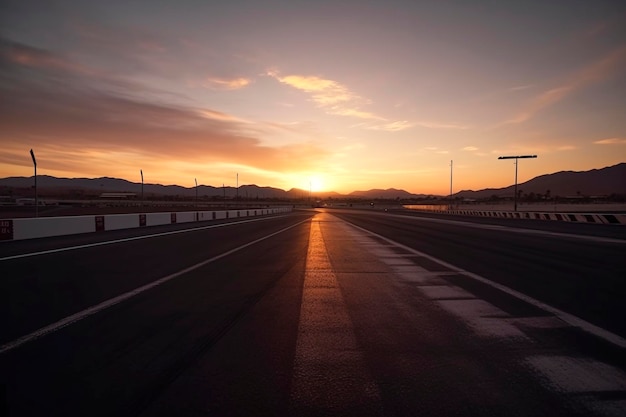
[{"x": 305, "y": 314}]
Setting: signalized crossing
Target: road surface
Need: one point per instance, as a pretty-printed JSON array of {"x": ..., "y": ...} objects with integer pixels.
[{"x": 315, "y": 313}]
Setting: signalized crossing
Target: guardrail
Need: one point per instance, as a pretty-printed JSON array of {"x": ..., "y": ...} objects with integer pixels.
[
  {"x": 30, "y": 228},
  {"x": 598, "y": 218}
]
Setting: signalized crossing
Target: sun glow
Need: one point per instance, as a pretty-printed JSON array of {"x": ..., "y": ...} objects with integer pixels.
[{"x": 316, "y": 184}]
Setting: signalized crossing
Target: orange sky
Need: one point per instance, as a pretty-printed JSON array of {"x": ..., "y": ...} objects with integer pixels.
[{"x": 339, "y": 96}]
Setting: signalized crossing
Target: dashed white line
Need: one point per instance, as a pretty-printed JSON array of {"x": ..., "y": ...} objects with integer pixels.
[{"x": 566, "y": 317}]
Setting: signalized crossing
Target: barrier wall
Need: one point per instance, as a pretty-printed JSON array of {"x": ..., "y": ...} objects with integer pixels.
[
  {"x": 599, "y": 218},
  {"x": 17, "y": 229}
]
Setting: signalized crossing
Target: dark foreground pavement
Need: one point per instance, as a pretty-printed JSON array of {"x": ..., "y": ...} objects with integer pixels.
[{"x": 320, "y": 319}]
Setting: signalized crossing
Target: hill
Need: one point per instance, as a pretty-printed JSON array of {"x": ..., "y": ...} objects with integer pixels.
[{"x": 596, "y": 182}]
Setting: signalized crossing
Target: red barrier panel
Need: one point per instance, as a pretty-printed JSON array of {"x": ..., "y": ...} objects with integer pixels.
[
  {"x": 6, "y": 229},
  {"x": 99, "y": 223}
]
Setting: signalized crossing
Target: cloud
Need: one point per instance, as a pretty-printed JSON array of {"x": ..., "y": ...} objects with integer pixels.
[
  {"x": 520, "y": 87},
  {"x": 436, "y": 150},
  {"x": 49, "y": 108},
  {"x": 435, "y": 125},
  {"x": 331, "y": 95},
  {"x": 470, "y": 148},
  {"x": 611, "y": 141},
  {"x": 393, "y": 126},
  {"x": 590, "y": 74},
  {"x": 217, "y": 115},
  {"x": 227, "y": 84},
  {"x": 337, "y": 99}
]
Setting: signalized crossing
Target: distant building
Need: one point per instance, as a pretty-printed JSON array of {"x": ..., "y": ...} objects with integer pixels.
[{"x": 118, "y": 195}]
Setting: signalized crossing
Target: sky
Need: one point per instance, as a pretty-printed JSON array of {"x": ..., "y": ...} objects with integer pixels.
[{"x": 318, "y": 95}]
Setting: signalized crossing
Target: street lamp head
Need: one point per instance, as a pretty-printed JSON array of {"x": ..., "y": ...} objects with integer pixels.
[{"x": 517, "y": 157}]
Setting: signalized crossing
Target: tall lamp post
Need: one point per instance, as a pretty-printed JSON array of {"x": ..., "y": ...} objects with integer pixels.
[
  {"x": 450, "y": 183},
  {"x": 196, "y": 180},
  {"x": 141, "y": 171},
  {"x": 516, "y": 162},
  {"x": 32, "y": 155}
]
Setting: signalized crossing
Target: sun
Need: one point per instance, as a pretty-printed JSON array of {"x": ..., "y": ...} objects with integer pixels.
[{"x": 316, "y": 183}]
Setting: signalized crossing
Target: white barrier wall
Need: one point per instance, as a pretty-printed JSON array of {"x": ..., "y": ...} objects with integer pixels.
[
  {"x": 52, "y": 226},
  {"x": 16, "y": 229},
  {"x": 600, "y": 218},
  {"x": 155, "y": 219},
  {"x": 120, "y": 221},
  {"x": 185, "y": 217}
]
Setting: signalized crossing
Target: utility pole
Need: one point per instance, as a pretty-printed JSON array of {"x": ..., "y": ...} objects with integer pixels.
[
  {"x": 141, "y": 172},
  {"x": 516, "y": 163},
  {"x": 451, "y": 162},
  {"x": 32, "y": 155},
  {"x": 196, "y": 204}
]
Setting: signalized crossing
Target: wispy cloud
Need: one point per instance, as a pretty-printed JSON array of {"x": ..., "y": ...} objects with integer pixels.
[
  {"x": 611, "y": 141},
  {"x": 393, "y": 126},
  {"x": 594, "y": 72},
  {"x": 336, "y": 98},
  {"x": 437, "y": 150},
  {"x": 227, "y": 84},
  {"x": 92, "y": 114},
  {"x": 520, "y": 87},
  {"x": 331, "y": 95},
  {"x": 470, "y": 148},
  {"x": 436, "y": 125},
  {"x": 27, "y": 56}
]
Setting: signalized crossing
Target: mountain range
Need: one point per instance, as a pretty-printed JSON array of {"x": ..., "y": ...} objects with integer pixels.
[{"x": 596, "y": 182}]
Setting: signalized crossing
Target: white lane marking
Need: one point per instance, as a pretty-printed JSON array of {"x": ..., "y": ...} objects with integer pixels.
[
  {"x": 116, "y": 300},
  {"x": 445, "y": 292},
  {"x": 566, "y": 317},
  {"x": 130, "y": 239},
  {"x": 541, "y": 322},
  {"x": 510, "y": 229},
  {"x": 578, "y": 375},
  {"x": 328, "y": 358},
  {"x": 486, "y": 319}
]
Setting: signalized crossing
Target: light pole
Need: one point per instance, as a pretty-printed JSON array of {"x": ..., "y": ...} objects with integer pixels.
[
  {"x": 32, "y": 155},
  {"x": 141, "y": 171},
  {"x": 196, "y": 180},
  {"x": 516, "y": 158},
  {"x": 450, "y": 183}
]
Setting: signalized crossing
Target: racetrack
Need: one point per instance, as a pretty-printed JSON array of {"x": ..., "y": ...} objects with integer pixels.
[{"x": 328, "y": 312}]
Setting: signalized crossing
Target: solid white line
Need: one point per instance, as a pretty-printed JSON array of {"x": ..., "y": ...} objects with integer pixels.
[
  {"x": 116, "y": 300},
  {"x": 130, "y": 239},
  {"x": 566, "y": 317}
]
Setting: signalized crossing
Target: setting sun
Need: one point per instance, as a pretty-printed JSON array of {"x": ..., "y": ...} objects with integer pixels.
[{"x": 317, "y": 184}]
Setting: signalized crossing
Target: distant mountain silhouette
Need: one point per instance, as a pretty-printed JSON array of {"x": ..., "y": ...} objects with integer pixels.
[
  {"x": 390, "y": 193},
  {"x": 596, "y": 182},
  {"x": 605, "y": 181}
]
